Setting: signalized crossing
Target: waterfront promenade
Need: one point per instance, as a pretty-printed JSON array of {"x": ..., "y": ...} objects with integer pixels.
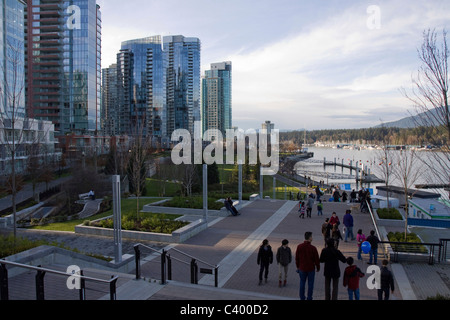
[{"x": 232, "y": 243}]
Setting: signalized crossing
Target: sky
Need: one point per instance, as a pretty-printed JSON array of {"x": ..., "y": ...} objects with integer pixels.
[{"x": 329, "y": 64}]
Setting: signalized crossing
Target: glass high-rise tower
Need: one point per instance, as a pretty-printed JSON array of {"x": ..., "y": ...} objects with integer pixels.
[
  {"x": 216, "y": 99},
  {"x": 140, "y": 65},
  {"x": 158, "y": 86},
  {"x": 63, "y": 68},
  {"x": 12, "y": 63},
  {"x": 182, "y": 82}
]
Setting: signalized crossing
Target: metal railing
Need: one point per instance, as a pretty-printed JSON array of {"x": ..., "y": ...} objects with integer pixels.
[
  {"x": 40, "y": 292},
  {"x": 166, "y": 265},
  {"x": 414, "y": 250},
  {"x": 442, "y": 256},
  {"x": 377, "y": 231}
]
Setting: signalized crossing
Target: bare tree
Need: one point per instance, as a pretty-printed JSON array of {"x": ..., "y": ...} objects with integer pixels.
[
  {"x": 407, "y": 170},
  {"x": 385, "y": 156},
  {"x": 12, "y": 110},
  {"x": 137, "y": 167},
  {"x": 429, "y": 95}
]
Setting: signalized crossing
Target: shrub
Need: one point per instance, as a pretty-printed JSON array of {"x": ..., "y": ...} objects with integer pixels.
[
  {"x": 8, "y": 248},
  {"x": 410, "y": 237},
  {"x": 148, "y": 224},
  {"x": 193, "y": 203},
  {"x": 389, "y": 213}
]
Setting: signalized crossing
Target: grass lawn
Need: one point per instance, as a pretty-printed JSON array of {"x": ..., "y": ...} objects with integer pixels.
[{"x": 128, "y": 208}]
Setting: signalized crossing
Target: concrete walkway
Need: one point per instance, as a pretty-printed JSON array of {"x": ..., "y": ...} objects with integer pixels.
[{"x": 232, "y": 244}]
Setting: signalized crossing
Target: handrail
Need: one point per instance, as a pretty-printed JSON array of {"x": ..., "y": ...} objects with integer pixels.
[
  {"x": 41, "y": 270},
  {"x": 193, "y": 264},
  {"x": 26, "y": 266},
  {"x": 157, "y": 251},
  {"x": 396, "y": 244},
  {"x": 192, "y": 257},
  {"x": 373, "y": 220}
]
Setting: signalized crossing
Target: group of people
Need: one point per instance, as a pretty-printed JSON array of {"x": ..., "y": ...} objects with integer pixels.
[
  {"x": 307, "y": 207},
  {"x": 308, "y": 260}
]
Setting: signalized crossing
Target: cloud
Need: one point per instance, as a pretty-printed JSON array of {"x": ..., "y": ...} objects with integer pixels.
[
  {"x": 336, "y": 72},
  {"x": 295, "y": 63}
]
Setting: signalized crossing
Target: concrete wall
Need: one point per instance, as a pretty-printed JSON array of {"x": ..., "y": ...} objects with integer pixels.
[
  {"x": 49, "y": 255},
  {"x": 178, "y": 236}
]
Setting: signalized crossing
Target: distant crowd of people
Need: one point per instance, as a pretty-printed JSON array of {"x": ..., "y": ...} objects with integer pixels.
[{"x": 308, "y": 260}]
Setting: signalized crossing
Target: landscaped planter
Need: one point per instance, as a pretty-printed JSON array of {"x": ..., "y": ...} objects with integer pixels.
[
  {"x": 178, "y": 236},
  {"x": 157, "y": 208},
  {"x": 389, "y": 222}
]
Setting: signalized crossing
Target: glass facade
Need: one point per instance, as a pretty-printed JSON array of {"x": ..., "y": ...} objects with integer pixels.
[
  {"x": 145, "y": 96},
  {"x": 182, "y": 83},
  {"x": 216, "y": 98},
  {"x": 12, "y": 61},
  {"x": 158, "y": 86},
  {"x": 64, "y": 64}
]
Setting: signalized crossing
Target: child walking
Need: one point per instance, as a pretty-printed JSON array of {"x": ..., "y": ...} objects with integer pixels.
[
  {"x": 352, "y": 274},
  {"x": 284, "y": 258},
  {"x": 302, "y": 210},
  {"x": 320, "y": 208},
  {"x": 360, "y": 238}
]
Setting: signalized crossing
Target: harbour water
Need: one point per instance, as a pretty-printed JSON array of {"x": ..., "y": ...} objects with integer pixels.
[{"x": 367, "y": 159}]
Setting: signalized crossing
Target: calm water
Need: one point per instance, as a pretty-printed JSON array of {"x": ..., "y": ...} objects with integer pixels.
[{"x": 368, "y": 158}]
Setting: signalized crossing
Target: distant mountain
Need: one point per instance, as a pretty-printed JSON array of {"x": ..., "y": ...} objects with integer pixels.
[{"x": 412, "y": 121}]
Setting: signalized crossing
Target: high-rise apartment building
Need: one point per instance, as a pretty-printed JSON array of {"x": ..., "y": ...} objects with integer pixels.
[
  {"x": 12, "y": 63},
  {"x": 158, "y": 86},
  {"x": 110, "y": 102},
  {"x": 21, "y": 138},
  {"x": 141, "y": 65},
  {"x": 216, "y": 99},
  {"x": 182, "y": 82},
  {"x": 63, "y": 64}
]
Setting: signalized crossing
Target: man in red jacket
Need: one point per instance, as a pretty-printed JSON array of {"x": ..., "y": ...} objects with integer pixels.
[{"x": 307, "y": 261}]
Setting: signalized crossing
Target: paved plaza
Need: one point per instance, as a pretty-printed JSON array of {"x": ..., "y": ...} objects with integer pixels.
[{"x": 232, "y": 244}]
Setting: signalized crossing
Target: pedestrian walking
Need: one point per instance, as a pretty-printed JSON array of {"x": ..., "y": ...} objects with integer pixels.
[
  {"x": 264, "y": 259},
  {"x": 307, "y": 262},
  {"x": 373, "y": 253},
  {"x": 336, "y": 235},
  {"x": 360, "y": 238},
  {"x": 319, "y": 193},
  {"x": 302, "y": 209},
  {"x": 284, "y": 258},
  {"x": 352, "y": 274},
  {"x": 320, "y": 208},
  {"x": 334, "y": 219},
  {"x": 331, "y": 256},
  {"x": 326, "y": 230},
  {"x": 309, "y": 205},
  {"x": 348, "y": 223},
  {"x": 387, "y": 281}
]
